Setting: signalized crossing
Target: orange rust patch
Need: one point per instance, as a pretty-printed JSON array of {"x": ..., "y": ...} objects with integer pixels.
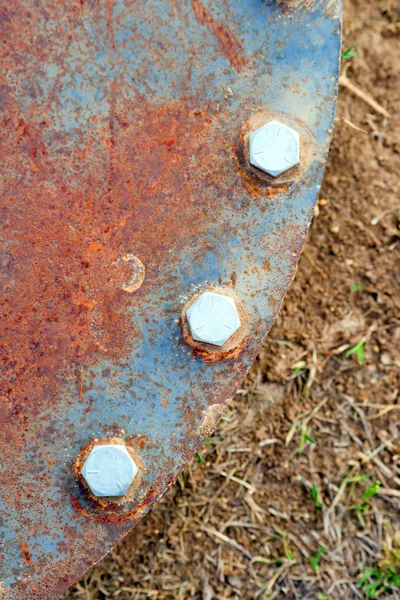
[
  {"x": 207, "y": 356},
  {"x": 141, "y": 441},
  {"x": 95, "y": 247},
  {"x": 266, "y": 266},
  {"x": 231, "y": 46},
  {"x": 27, "y": 556},
  {"x": 63, "y": 302},
  {"x": 111, "y": 514}
]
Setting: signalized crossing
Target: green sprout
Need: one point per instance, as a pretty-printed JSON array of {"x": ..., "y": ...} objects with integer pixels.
[
  {"x": 355, "y": 479},
  {"x": 286, "y": 548},
  {"x": 359, "y": 350},
  {"x": 314, "y": 560},
  {"x": 349, "y": 53},
  {"x": 376, "y": 581},
  {"x": 371, "y": 490},
  {"x": 363, "y": 505},
  {"x": 199, "y": 458},
  {"x": 315, "y": 496},
  {"x": 304, "y": 437},
  {"x": 299, "y": 367},
  {"x": 358, "y": 287}
]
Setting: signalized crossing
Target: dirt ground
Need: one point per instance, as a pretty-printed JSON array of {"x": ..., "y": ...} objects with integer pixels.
[{"x": 287, "y": 502}]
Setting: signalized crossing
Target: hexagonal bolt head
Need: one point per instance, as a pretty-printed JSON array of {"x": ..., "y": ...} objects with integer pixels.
[
  {"x": 213, "y": 318},
  {"x": 109, "y": 470},
  {"x": 274, "y": 148}
]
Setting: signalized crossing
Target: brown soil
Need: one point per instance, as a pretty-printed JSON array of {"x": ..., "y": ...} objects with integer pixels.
[{"x": 244, "y": 523}]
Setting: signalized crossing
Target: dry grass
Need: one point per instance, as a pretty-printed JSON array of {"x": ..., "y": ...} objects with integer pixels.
[{"x": 280, "y": 507}]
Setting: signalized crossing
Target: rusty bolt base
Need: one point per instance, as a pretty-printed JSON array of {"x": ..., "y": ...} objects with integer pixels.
[
  {"x": 92, "y": 488},
  {"x": 233, "y": 346},
  {"x": 213, "y": 318},
  {"x": 274, "y": 148},
  {"x": 295, "y": 173},
  {"x": 109, "y": 470}
]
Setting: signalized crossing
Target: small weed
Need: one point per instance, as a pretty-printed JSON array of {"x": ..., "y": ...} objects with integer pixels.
[
  {"x": 200, "y": 458},
  {"x": 282, "y": 562},
  {"x": 315, "y": 496},
  {"x": 358, "y": 287},
  {"x": 314, "y": 560},
  {"x": 390, "y": 556},
  {"x": 278, "y": 531},
  {"x": 299, "y": 367},
  {"x": 363, "y": 504},
  {"x": 322, "y": 596},
  {"x": 304, "y": 437},
  {"x": 371, "y": 490},
  {"x": 359, "y": 350},
  {"x": 347, "y": 480},
  {"x": 288, "y": 554},
  {"x": 376, "y": 581},
  {"x": 262, "y": 560},
  {"x": 349, "y": 53},
  {"x": 355, "y": 479}
]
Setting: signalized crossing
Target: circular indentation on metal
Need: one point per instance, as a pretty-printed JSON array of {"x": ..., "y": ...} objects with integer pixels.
[
  {"x": 136, "y": 275},
  {"x": 109, "y": 470}
]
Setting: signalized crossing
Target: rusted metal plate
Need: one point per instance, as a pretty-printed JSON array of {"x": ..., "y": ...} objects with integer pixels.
[{"x": 124, "y": 142}]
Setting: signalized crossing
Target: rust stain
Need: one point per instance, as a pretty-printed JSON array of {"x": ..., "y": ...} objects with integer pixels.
[
  {"x": 230, "y": 44},
  {"x": 109, "y": 21},
  {"x": 64, "y": 303},
  {"x": 111, "y": 514},
  {"x": 208, "y": 356},
  {"x": 27, "y": 556}
]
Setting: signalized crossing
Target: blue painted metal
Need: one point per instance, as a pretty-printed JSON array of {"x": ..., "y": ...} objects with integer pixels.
[{"x": 124, "y": 131}]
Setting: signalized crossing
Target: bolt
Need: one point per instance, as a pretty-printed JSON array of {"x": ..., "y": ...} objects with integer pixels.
[
  {"x": 109, "y": 470},
  {"x": 213, "y": 318},
  {"x": 274, "y": 148}
]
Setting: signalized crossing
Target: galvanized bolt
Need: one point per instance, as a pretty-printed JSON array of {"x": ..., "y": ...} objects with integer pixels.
[
  {"x": 213, "y": 318},
  {"x": 109, "y": 470},
  {"x": 274, "y": 148}
]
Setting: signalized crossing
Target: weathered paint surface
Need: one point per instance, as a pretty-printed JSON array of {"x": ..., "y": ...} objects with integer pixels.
[{"x": 122, "y": 134}]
